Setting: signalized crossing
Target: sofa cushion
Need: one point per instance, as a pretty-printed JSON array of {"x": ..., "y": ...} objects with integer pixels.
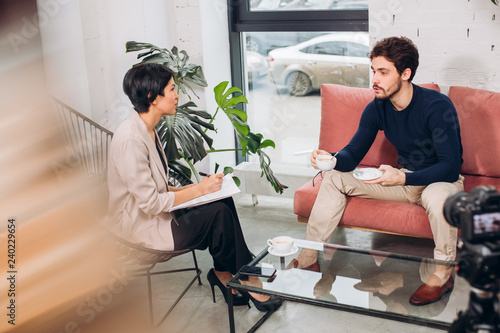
[
  {"x": 396, "y": 217},
  {"x": 341, "y": 109},
  {"x": 304, "y": 197},
  {"x": 479, "y": 116},
  {"x": 474, "y": 181}
]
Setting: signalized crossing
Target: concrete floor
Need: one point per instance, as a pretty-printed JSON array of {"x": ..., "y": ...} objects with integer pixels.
[{"x": 273, "y": 216}]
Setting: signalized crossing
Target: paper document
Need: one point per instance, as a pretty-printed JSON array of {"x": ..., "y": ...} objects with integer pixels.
[{"x": 229, "y": 188}]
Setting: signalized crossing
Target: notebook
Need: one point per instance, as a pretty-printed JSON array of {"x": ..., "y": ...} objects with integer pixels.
[{"x": 228, "y": 189}]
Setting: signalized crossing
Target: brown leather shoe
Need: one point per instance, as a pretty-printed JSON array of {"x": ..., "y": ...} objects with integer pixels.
[
  {"x": 428, "y": 294},
  {"x": 314, "y": 267}
]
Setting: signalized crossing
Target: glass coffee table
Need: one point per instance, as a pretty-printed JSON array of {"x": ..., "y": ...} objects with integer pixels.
[{"x": 361, "y": 281}]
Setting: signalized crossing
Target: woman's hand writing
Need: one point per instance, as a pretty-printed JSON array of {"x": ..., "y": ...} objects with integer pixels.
[
  {"x": 207, "y": 185},
  {"x": 211, "y": 183}
]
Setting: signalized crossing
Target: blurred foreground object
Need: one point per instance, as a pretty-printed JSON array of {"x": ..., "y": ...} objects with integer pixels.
[
  {"x": 58, "y": 271},
  {"x": 64, "y": 276}
]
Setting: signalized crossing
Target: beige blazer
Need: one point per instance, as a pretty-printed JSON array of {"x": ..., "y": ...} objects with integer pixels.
[{"x": 139, "y": 199}]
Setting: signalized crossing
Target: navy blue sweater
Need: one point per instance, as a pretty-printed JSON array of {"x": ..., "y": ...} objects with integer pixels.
[{"x": 426, "y": 135}]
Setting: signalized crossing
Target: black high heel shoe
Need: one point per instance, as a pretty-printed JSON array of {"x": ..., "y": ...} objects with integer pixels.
[
  {"x": 238, "y": 299},
  {"x": 273, "y": 303}
]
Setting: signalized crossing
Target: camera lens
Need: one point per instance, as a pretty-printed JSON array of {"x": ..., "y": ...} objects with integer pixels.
[{"x": 453, "y": 205}]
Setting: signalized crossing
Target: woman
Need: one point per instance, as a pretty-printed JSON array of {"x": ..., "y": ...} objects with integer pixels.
[{"x": 140, "y": 198}]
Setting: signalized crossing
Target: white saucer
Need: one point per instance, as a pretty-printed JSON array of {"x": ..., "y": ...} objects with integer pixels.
[
  {"x": 367, "y": 173},
  {"x": 292, "y": 251}
]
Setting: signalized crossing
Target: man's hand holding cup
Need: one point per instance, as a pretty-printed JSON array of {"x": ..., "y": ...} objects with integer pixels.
[{"x": 323, "y": 160}]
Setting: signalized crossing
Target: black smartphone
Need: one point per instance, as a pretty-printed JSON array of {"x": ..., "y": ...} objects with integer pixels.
[{"x": 258, "y": 271}]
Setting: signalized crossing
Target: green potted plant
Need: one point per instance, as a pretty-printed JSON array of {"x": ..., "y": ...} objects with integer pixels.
[{"x": 184, "y": 136}]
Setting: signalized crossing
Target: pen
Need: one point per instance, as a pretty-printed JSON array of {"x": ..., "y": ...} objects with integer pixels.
[{"x": 203, "y": 174}]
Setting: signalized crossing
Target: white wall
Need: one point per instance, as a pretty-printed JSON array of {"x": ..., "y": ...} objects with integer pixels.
[
  {"x": 216, "y": 66},
  {"x": 63, "y": 52},
  {"x": 203, "y": 33},
  {"x": 458, "y": 40},
  {"x": 84, "y": 50}
]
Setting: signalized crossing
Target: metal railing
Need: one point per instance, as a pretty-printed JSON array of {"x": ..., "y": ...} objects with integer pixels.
[{"x": 89, "y": 140}]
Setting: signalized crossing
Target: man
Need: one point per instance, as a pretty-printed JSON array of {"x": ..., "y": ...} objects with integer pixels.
[{"x": 423, "y": 126}]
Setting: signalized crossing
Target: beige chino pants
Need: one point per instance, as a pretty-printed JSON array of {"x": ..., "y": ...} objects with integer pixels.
[{"x": 331, "y": 201}]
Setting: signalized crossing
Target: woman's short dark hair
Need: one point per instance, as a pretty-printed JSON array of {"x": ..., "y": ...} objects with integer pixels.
[
  {"x": 144, "y": 82},
  {"x": 399, "y": 50}
]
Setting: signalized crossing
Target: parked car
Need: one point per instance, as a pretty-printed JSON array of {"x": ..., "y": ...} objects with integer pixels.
[
  {"x": 340, "y": 58},
  {"x": 263, "y": 42},
  {"x": 256, "y": 66}
]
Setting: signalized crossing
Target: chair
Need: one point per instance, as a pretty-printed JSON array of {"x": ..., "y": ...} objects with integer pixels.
[
  {"x": 147, "y": 259},
  {"x": 90, "y": 141}
]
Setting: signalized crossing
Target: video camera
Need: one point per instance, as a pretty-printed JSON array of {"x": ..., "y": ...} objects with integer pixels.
[{"x": 477, "y": 215}]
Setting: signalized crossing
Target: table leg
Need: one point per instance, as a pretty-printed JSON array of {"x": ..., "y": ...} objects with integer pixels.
[
  {"x": 261, "y": 321},
  {"x": 282, "y": 262},
  {"x": 230, "y": 309}
]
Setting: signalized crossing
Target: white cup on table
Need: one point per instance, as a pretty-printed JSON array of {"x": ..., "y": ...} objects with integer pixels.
[{"x": 281, "y": 244}]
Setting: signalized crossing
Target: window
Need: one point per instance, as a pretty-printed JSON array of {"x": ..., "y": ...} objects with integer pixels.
[{"x": 282, "y": 51}]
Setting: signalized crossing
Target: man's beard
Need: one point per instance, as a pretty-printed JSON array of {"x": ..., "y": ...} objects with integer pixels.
[{"x": 385, "y": 96}]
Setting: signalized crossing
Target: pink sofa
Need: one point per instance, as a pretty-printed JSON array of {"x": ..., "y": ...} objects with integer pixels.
[{"x": 479, "y": 115}]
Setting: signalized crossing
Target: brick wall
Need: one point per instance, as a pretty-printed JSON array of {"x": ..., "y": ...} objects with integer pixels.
[{"x": 458, "y": 40}]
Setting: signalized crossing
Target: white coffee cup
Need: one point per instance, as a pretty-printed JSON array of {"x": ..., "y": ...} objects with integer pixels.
[
  {"x": 325, "y": 162},
  {"x": 281, "y": 244}
]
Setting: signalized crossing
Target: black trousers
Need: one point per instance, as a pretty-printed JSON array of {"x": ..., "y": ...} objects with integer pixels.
[{"x": 214, "y": 226}]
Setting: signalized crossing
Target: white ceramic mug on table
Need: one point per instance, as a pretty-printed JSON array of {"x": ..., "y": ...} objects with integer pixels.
[{"x": 281, "y": 244}]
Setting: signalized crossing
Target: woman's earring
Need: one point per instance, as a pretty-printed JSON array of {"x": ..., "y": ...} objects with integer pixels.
[{"x": 154, "y": 102}]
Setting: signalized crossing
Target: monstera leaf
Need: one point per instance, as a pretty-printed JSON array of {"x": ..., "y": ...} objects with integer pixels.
[
  {"x": 250, "y": 143},
  {"x": 183, "y": 135},
  {"x": 227, "y": 103},
  {"x": 186, "y": 73}
]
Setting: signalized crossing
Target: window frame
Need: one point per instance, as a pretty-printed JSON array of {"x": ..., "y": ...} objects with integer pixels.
[{"x": 242, "y": 19}]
